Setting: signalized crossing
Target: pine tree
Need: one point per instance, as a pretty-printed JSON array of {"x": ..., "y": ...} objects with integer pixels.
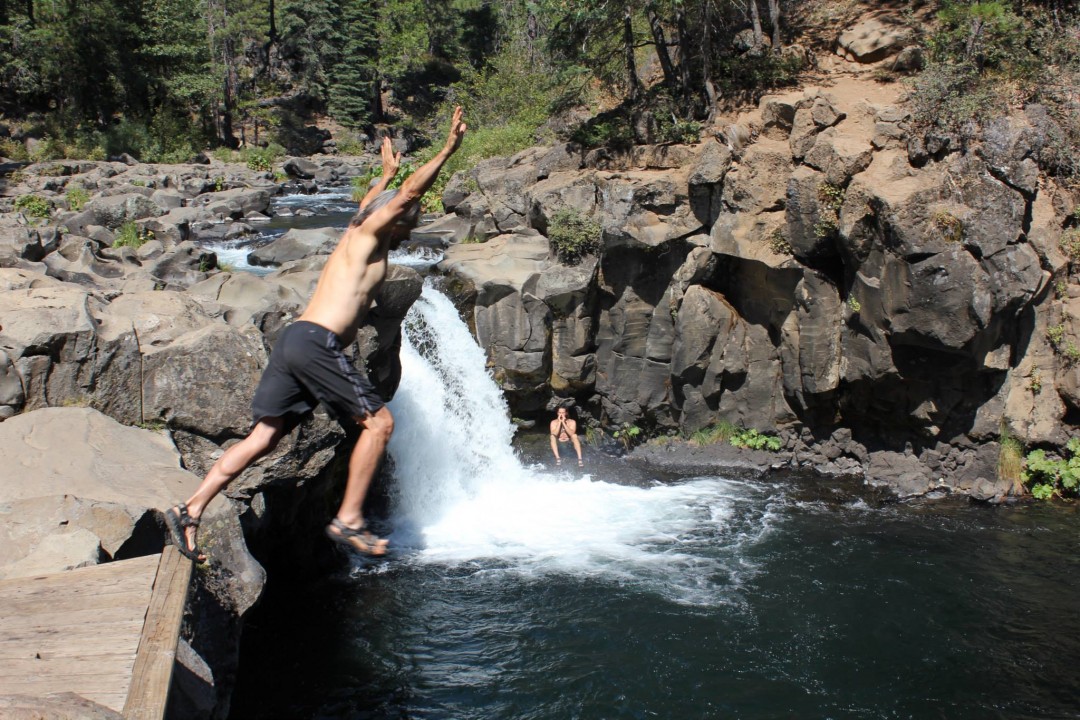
[{"x": 353, "y": 92}]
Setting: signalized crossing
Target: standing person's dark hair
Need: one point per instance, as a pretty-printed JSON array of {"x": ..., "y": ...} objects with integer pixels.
[{"x": 308, "y": 366}]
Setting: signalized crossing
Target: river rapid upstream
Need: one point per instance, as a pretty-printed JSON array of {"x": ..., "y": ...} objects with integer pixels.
[{"x": 516, "y": 590}]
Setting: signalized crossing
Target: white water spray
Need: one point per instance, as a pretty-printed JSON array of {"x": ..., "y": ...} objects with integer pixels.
[{"x": 462, "y": 495}]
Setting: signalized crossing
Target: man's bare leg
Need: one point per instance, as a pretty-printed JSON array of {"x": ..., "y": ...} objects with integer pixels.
[
  {"x": 263, "y": 438},
  {"x": 363, "y": 462}
]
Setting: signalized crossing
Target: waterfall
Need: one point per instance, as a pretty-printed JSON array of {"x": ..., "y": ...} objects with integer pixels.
[{"x": 461, "y": 495}]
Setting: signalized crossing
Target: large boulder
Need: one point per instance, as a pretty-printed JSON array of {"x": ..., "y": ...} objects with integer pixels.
[
  {"x": 873, "y": 39},
  {"x": 113, "y": 211},
  {"x": 295, "y": 245},
  {"x": 79, "y": 478}
]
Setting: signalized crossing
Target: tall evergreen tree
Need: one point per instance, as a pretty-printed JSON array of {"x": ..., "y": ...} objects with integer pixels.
[{"x": 354, "y": 88}]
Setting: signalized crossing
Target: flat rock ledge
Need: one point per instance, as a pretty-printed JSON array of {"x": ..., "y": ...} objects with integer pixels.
[{"x": 904, "y": 475}]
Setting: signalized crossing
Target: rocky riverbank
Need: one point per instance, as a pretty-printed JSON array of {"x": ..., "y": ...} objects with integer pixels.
[{"x": 128, "y": 358}]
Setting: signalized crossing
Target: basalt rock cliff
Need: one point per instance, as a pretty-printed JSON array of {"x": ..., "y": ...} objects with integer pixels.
[{"x": 812, "y": 268}]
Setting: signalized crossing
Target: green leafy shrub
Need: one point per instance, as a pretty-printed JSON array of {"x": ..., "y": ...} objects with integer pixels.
[
  {"x": 259, "y": 159},
  {"x": 854, "y": 304},
  {"x": 573, "y": 235},
  {"x": 627, "y": 434},
  {"x": 679, "y": 131},
  {"x": 34, "y": 206},
  {"x": 129, "y": 235},
  {"x": 13, "y": 150},
  {"x": 755, "y": 440},
  {"x": 77, "y": 197},
  {"x": 1049, "y": 476}
]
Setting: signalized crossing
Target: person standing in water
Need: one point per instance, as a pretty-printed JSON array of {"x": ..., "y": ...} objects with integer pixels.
[
  {"x": 563, "y": 429},
  {"x": 308, "y": 366}
]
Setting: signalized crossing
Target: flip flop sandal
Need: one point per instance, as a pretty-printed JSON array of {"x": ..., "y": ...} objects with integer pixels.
[
  {"x": 177, "y": 520},
  {"x": 358, "y": 541}
]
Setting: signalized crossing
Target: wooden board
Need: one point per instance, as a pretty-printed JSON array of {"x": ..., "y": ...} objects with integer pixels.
[
  {"x": 152, "y": 675},
  {"x": 84, "y": 630}
]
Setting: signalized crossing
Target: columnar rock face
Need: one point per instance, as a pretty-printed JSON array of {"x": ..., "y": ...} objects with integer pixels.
[{"x": 820, "y": 273}]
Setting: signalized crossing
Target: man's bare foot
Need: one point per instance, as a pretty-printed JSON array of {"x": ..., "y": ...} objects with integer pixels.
[
  {"x": 183, "y": 528},
  {"x": 356, "y": 539}
]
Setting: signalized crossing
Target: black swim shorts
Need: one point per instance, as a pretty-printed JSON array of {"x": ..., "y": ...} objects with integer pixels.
[{"x": 307, "y": 367}]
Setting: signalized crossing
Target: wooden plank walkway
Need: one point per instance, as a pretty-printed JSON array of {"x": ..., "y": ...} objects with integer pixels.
[{"x": 106, "y": 632}]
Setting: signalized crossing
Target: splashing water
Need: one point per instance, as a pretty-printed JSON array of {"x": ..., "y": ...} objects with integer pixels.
[{"x": 462, "y": 496}]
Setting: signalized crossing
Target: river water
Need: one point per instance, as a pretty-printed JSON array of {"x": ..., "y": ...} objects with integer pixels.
[{"x": 514, "y": 591}]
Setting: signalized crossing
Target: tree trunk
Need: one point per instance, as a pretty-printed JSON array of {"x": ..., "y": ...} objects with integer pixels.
[
  {"x": 228, "y": 95},
  {"x": 706, "y": 64},
  {"x": 774, "y": 19},
  {"x": 628, "y": 54},
  {"x": 670, "y": 78},
  {"x": 377, "y": 110},
  {"x": 683, "y": 56},
  {"x": 273, "y": 35},
  {"x": 755, "y": 18}
]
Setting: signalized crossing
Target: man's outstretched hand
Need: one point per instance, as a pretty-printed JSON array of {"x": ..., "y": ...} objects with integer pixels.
[
  {"x": 457, "y": 131},
  {"x": 390, "y": 161}
]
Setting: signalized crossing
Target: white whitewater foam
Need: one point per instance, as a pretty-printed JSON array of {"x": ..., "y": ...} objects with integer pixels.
[{"x": 462, "y": 496}]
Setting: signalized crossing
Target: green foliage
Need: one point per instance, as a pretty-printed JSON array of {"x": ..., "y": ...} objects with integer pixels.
[
  {"x": 605, "y": 130},
  {"x": 1049, "y": 476},
  {"x": 720, "y": 432},
  {"x": 1010, "y": 466},
  {"x": 1061, "y": 288},
  {"x": 751, "y": 76},
  {"x": 349, "y": 144},
  {"x": 854, "y": 304},
  {"x": 627, "y": 434},
  {"x": 1070, "y": 244},
  {"x": 34, "y": 206},
  {"x": 129, "y": 235},
  {"x": 778, "y": 243},
  {"x": 1064, "y": 346},
  {"x": 573, "y": 235},
  {"x": 950, "y": 226},
  {"x": 353, "y": 89},
  {"x": 259, "y": 159},
  {"x": 1035, "y": 380},
  {"x": 77, "y": 197},
  {"x": 830, "y": 200},
  {"x": 755, "y": 440},
  {"x": 13, "y": 150}
]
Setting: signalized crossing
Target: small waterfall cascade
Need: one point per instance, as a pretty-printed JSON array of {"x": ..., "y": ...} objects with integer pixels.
[{"x": 461, "y": 495}]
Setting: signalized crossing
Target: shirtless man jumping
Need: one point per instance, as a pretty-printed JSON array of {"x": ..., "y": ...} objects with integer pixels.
[
  {"x": 308, "y": 366},
  {"x": 563, "y": 430}
]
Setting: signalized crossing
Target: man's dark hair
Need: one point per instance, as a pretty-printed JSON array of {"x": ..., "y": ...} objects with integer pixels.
[{"x": 409, "y": 219}]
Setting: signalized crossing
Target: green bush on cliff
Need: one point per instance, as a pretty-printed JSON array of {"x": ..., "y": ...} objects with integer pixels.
[
  {"x": 573, "y": 235},
  {"x": 1048, "y": 477}
]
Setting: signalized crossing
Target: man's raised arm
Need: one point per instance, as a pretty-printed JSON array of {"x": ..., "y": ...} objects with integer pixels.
[
  {"x": 390, "y": 165},
  {"x": 420, "y": 181}
]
